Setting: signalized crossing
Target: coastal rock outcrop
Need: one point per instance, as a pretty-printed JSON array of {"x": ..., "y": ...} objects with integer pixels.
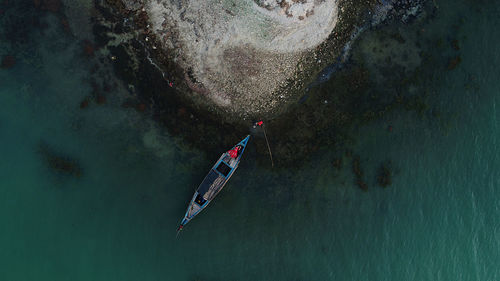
[
  {"x": 240, "y": 54},
  {"x": 204, "y": 69},
  {"x": 242, "y": 58}
]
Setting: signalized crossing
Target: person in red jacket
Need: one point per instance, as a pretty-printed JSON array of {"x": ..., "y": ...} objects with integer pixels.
[{"x": 234, "y": 152}]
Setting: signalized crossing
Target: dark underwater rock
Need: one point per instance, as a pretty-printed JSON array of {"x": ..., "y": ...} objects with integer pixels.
[
  {"x": 59, "y": 163},
  {"x": 358, "y": 172},
  {"x": 337, "y": 163},
  {"x": 384, "y": 177},
  {"x": 53, "y": 6},
  {"x": 88, "y": 48},
  {"x": 84, "y": 104},
  {"x": 454, "y": 62},
  {"x": 8, "y": 61}
]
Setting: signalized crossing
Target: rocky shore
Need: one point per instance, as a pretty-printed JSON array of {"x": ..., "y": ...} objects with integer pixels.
[
  {"x": 368, "y": 67},
  {"x": 239, "y": 60},
  {"x": 206, "y": 70},
  {"x": 238, "y": 55}
]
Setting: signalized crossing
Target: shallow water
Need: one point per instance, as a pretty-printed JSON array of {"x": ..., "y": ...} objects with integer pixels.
[{"x": 437, "y": 221}]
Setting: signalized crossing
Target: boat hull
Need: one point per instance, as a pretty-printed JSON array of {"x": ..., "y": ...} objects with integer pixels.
[{"x": 213, "y": 182}]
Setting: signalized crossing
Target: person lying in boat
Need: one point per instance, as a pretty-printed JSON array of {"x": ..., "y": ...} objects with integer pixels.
[{"x": 234, "y": 153}]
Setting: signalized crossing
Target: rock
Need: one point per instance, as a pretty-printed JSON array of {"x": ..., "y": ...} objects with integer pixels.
[
  {"x": 8, "y": 61},
  {"x": 362, "y": 185},
  {"x": 384, "y": 176},
  {"x": 59, "y": 163},
  {"x": 337, "y": 163},
  {"x": 84, "y": 103},
  {"x": 181, "y": 111},
  {"x": 348, "y": 153},
  {"x": 454, "y": 62},
  {"x": 358, "y": 172},
  {"x": 128, "y": 103},
  {"x": 100, "y": 98},
  {"x": 232, "y": 53},
  {"x": 53, "y": 6},
  {"x": 356, "y": 167},
  {"x": 88, "y": 48},
  {"x": 140, "y": 107},
  {"x": 228, "y": 62},
  {"x": 65, "y": 24}
]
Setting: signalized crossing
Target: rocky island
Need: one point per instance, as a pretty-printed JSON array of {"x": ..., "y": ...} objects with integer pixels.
[
  {"x": 207, "y": 67},
  {"x": 238, "y": 56},
  {"x": 248, "y": 58}
]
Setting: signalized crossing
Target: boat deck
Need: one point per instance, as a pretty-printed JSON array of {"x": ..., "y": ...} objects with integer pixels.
[
  {"x": 209, "y": 188},
  {"x": 213, "y": 182},
  {"x": 214, "y": 188},
  {"x": 193, "y": 209}
]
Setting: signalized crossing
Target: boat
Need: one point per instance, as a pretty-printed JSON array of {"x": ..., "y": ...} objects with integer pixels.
[{"x": 214, "y": 181}]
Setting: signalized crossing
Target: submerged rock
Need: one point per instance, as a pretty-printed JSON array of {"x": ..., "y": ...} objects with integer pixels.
[
  {"x": 358, "y": 172},
  {"x": 384, "y": 177},
  {"x": 337, "y": 163},
  {"x": 8, "y": 61},
  {"x": 88, "y": 48},
  {"x": 49, "y": 5},
  {"x": 84, "y": 103},
  {"x": 454, "y": 62},
  {"x": 58, "y": 163}
]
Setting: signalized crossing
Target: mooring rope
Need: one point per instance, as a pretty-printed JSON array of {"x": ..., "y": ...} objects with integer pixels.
[{"x": 268, "y": 147}]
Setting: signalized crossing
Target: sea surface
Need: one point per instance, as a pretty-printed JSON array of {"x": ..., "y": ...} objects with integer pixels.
[{"x": 113, "y": 216}]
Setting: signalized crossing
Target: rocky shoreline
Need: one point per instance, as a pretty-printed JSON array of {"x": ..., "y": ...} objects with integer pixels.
[
  {"x": 373, "y": 73},
  {"x": 178, "y": 100},
  {"x": 252, "y": 79}
]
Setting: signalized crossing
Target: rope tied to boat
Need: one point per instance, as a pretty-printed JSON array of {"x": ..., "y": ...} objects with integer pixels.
[{"x": 261, "y": 124}]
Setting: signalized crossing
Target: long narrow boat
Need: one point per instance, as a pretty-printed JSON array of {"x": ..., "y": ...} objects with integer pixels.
[{"x": 213, "y": 183}]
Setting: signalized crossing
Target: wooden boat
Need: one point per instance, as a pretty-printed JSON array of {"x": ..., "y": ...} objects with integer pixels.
[{"x": 213, "y": 183}]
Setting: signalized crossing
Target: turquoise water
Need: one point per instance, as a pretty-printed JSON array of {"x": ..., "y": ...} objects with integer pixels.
[{"x": 439, "y": 220}]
